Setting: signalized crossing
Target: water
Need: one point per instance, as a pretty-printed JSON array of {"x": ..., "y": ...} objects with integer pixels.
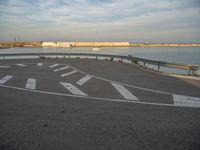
[{"x": 183, "y": 55}]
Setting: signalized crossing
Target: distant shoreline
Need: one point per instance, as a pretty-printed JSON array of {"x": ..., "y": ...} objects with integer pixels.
[{"x": 4, "y": 45}]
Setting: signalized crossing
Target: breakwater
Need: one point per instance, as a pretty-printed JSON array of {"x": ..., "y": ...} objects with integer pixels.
[{"x": 165, "y": 45}]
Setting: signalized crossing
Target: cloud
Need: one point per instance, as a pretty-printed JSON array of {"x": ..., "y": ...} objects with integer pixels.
[{"x": 128, "y": 18}]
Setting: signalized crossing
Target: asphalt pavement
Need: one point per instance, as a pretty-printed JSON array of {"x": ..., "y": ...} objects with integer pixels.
[{"x": 95, "y": 104}]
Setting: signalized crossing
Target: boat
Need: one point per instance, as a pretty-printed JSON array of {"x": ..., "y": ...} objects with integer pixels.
[{"x": 96, "y": 49}]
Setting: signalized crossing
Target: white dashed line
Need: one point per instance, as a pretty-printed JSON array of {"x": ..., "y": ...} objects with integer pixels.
[
  {"x": 40, "y": 64},
  {"x": 124, "y": 92},
  {"x": 31, "y": 83},
  {"x": 59, "y": 69},
  {"x": 74, "y": 90},
  {"x": 69, "y": 73},
  {"x": 83, "y": 80},
  {"x": 5, "y": 67},
  {"x": 52, "y": 66},
  {"x": 5, "y": 79},
  {"x": 187, "y": 101},
  {"x": 21, "y": 65}
]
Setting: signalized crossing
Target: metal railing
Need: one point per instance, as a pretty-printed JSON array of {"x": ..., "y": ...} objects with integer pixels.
[{"x": 190, "y": 67}]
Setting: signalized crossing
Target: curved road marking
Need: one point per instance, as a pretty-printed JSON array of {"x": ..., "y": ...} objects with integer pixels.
[
  {"x": 85, "y": 97},
  {"x": 106, "y": 99},
  {"x": 91, "y": 98},
  {"x": 137, "y": 87}
]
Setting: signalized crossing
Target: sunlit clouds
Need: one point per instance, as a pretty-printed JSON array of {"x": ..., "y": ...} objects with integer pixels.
[{"x": 102, "y": 20}]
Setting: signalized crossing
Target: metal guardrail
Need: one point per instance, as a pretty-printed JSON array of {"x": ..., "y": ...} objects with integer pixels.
[{"x": 190, "y": 67}]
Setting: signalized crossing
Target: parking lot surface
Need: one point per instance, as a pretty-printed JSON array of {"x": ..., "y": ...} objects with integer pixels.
[{"x": 95, "y": 104}]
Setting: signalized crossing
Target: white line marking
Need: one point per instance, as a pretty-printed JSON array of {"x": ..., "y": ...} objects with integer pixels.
[
  {"x": 74, "y": 90},
  {"x": 5, "y": 79},
  {"x": 31, "y": 83},
  {"x": 124, "y": 92},
  {"x": 68, "y": 73},
  {"x": 83, "y": 80},
  {"x": 5, "y": 67},
  {"x": 40, "y": 64},
  {"x": 90, "y": 98},
  {"x": 124, "y": 84},
  {"x": 59, "y": 69},
  {"x": 52, "y": 66},
  {"x": 187, "y": 101},
  {"x": 21, "y": 65}
]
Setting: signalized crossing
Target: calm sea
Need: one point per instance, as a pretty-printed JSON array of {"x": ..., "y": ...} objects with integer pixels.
[{"x": 184, "y": 55}]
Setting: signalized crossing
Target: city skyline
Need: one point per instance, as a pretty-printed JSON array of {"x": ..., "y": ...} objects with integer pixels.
[{"x": 100, "y": 20}]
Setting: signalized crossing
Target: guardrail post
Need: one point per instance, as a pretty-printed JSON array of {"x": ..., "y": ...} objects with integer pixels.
[
  {"x": 144, "y": 63},
  {"x": 158, "y": 67},
  {"x": 96, "y": 57},
  {"x": 189, "y": 71},
  {"x": 69, "y": 55},
  {"x": 64, "y": 56},
  {"x": 3, "y": 57}
]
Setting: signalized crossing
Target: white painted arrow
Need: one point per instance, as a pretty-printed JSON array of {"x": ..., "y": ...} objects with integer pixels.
[
  {"x": 5, "y": 79},
  {"x": 54, "y": 65},
  {"x": 21, "y": 65},
  {"x": 74, "y": 90},
  {"x": 59, "y": 69},
  {"x": 124, "y": 92},
  {"x": 31, "y": 83},
  {"x": 68, "y": 73},
  {"x": 188, "y": 101},
  {"x": 40, "y": 64},
  {"x": 83, "y": 80}
]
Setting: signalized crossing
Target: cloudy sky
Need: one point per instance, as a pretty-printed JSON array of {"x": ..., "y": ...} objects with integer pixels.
[{"x": 101, "y": 20}]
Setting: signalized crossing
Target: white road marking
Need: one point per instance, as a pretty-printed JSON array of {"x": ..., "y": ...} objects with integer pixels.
[
  {"x": 74, "y": 90},
  {"x": 5, "y": 67},
  {"x": 124, "y": 84},
  {"x": 68, "y": 73},
  {"x": 187, "y": 101},
  {"x": 124, "y": 92},
  {"x": 31, "y": 83},
  {"x": 21, "y": 65},
  {"x": 89, "y": 98},
  {"x": 5, "y": 79},
  {"x": 40, "y": 64},
  {"x": 59, "y": 69},
  {"x": 52, "y": 66},
  {"x": 83, "y": 80}
]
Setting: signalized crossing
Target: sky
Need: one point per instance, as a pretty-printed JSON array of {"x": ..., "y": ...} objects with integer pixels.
[{"x": 100, "y": 20}]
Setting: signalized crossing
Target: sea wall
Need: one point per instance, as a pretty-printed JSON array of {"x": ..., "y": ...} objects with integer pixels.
[
  {"x": 101, "y": 44},
  {"x": 165, "y": 45}
]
